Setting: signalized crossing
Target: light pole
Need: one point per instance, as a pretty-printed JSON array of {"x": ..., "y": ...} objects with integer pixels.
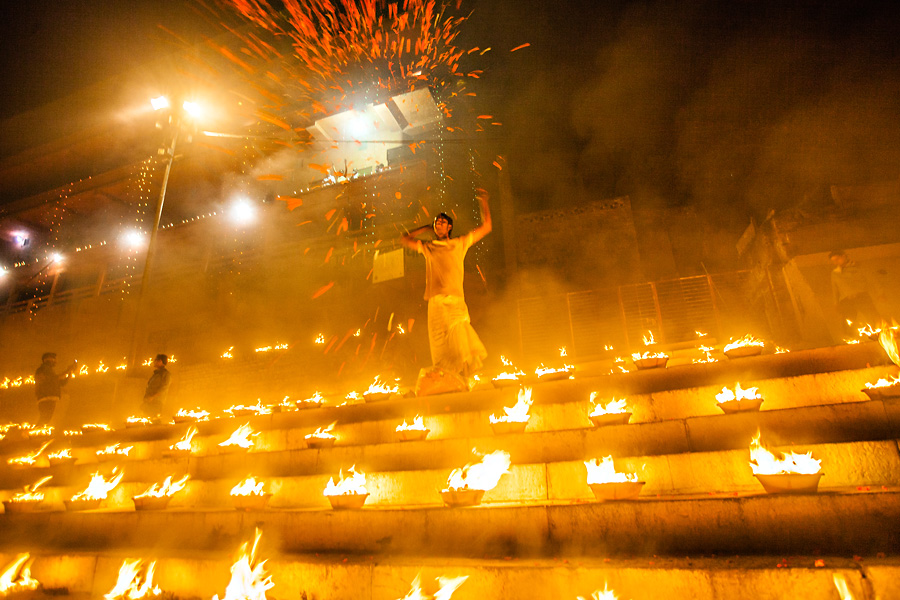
[{"x": 169, "y": 152}]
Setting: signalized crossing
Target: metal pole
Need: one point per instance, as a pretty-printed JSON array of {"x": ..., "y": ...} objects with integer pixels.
[{"x": 151, "y": 248}]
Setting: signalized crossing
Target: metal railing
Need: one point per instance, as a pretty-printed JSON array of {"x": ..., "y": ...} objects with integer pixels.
[{"x": 588, "y": 322}]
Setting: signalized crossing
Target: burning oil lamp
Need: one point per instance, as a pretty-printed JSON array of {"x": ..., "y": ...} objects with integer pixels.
[
  {"x": 380, "y": 390},
  {"x": 182, "y": 447},
  {"x": 41, "y": 432},
  {"x": 466, "y": 486},
  {"x": 286, "y": 405},
  {"x": 349, "y": 492},
  {"x": 793, "y": 473},
  {"x": 745, "y": 346},
  {"x": 96, "y": 492},
  {"x": 135, "y": 581},
  {"x": 555, "y": 373},
  {"x": 28, "y": 460},
  {"x": 241, "y": 438},
  {"x": 886, "y": 388},
  {"x": 647, "y": 359},
  {"x": 158, "y": 495},
  {"x": 241, "y": 410},
  {"x": 321, "y": 437},
  {"x": 95, "y": 427},
  {"x": 28, "y": 500},
  {"x": 739, "y": 400},
  {"x": 190, "y": 415},
  {"x": 314, "y": 401},
  {"x": 511, "y": 376},
  {"x": 707, "y": 357},
  {"x": 249, "y": 579},
  {"x": 608, "y": 484},
  {"x": 516, "y": 417},
  {"x": 61, "y": 457},
  {"x": 113, "y": 451},
  {"x": 135, "y": 421},
  {"x": 445, "y": 586},
  {"x": 615, "y": 412},
  {"x": 411, "y": 433},
  {"x": 250, "y": 495},
  {"x": 604, "y": 594},
  {"x": 16, "y": 577}
]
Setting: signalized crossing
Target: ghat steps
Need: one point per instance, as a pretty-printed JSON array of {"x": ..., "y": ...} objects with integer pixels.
[{"x": 700, "y": 497}]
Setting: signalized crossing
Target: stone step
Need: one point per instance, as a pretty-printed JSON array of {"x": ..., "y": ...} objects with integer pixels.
[
  {"x": 831, "y": 432},
  {"x": 840, "y": 523},
  {"x": 370, "y": 578}
]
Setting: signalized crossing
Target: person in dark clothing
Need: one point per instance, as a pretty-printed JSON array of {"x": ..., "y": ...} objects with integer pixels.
[
  {"x": 157, "y": 386},
  {"x": 851, "y": 291},
  {"x": 48, "y": 386}
]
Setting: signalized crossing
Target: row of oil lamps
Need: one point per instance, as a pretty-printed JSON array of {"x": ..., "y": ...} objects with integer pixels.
[
  {"x": 465, "y": 486},
  {"x": 249, "y": 579}
]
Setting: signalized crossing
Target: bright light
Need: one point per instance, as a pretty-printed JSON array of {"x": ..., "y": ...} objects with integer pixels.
[
  {"x": 159, "y": 103},
  {"x": 242, "y": 212},
  {"x": 3, "y": 272},
  {"x": 56, "y": 257},
  {"x": 193, "y": 109},
  {"x": 133, "y": 239},
  {"x": 358, "y": 126},
  {"x": 20, "y": 239}
]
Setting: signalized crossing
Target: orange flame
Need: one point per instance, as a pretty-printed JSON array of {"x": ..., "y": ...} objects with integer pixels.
[
  {"x": 17, "y": 576},
  {"x": 518, "y": 413},
  {"x": 249, "y": 579},
  {"x": 764, "y": 462},
  {"x": 484, "y": 475},
  {"x": 446, "y": 587},
  {"x": 134, "y": 581},
  {"x": 354, "y": 483},
  {"x": 166, "y": 488},
  {"x": 605, "y": 472},
  {"x": 99, "y": 487}
]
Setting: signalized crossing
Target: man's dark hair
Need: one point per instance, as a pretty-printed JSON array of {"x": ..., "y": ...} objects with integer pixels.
[
  {"x": 449, "y": 220},
  {"x": 163, "y": 358},
  {"x": 47, "y": 355},
  {"x": 837, "y": 252}
]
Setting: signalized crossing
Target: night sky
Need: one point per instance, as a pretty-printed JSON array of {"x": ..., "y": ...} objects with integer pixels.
[{"x": 719, "y": 105}]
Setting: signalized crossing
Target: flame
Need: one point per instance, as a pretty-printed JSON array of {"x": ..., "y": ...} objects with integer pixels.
[
  {"x": 647, "y": 354},
  {"x": 138, "y": 421},
  {"x": 780, "y": 350},
  {"x": 850, "y": 342},
  {"x": 881, "y": 383},
  {"x": 320, "y": 339},
  {"x": 612, "y": 407},
  {"x": 96, "y": 427},
  {"x": 483, "y": 475},
  {"x": 17, "y": 576},
  {"x": 605, "y": 472},
  {"x": 184, "y": 444},
  {"x": 29, "y": 459},
  {"x": 323, "y": 432},
  {"x": 269, "y": 348},
  {"x": 726, "y": 395},
  {"x": 84, "y": 370},
  {"x": 418, "y": 425},
  {"x": 240, "y": 437},
  {"x": 840, "y": 582},
  {"x": 707, "y": 358},
  {"x": 72, "y": 432},
  {"x": 513, "y": 373},
  {"x": 258, "y": 408},
  {"x": 31, "y": 493},
  {"x": 249, "y": 487},
  {"x": 134, "y": 581},
  {"x": 358, "y": 333},
  {"x": 167, "y": 488},
  {"x": 747, "y": 340},
  {"x": 764, "y": 462},
  {"x": 888, "y": 340},
  {"x": 44, "y": 431},
  {"x": 99, "y": 487},
  {"x": 101, "y": 368},
  {"x": 604, "y": 594},
  {"x": 518, "y": 413},
  {"x": 562, "y": 352},
  {"x": 115, "y": 449},
  {"x": 867, "y": 330},
  {"x": 227, "y": 353},
  {"x": 249, "y": 580},
  {"x": 352, "y": 397},
  {"x": 649, "y": 341},
  {"x": 380, "y": 387},
  {"x": 316, "y": 398},
  {"x": 542, "y": 370},
  {"x": 446, "y": 587},
  {"x": 196, "y": 414},
  {"x": 61, "y": 454},
  {"x": 354, "y": 483},
  {"x": 700, "y": 334}
]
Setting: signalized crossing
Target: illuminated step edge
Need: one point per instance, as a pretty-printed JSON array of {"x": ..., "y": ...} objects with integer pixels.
[
  {"x": 781, "y": 525},
  {"x": 845, "y": 466},
  {"x": 360, "y": 578}
]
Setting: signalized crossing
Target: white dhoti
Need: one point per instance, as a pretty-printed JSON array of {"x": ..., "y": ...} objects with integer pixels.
[{"x": 455, "y": 346}]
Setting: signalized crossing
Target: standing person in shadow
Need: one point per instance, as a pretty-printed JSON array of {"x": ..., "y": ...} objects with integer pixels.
[
  {"x": 852, "y": 296},
  {"x": 48, "y": 386},
  {"x": 157, "y": 387}
]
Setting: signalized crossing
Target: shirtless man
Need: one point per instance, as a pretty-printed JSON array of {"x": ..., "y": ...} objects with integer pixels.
[{"x": 455, "y": 347}]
